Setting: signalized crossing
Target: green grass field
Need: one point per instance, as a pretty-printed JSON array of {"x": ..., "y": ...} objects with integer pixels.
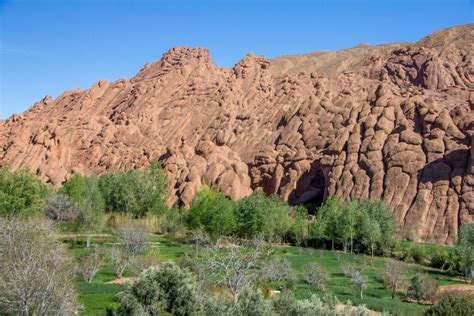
[{"x": 96, "y": 296}]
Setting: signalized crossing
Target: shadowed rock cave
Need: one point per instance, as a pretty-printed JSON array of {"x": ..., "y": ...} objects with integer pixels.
[{"x": 310, "y": 189}]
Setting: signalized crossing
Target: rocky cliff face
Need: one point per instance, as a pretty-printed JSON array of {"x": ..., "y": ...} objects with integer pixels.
[{"x": 393, "y": 122}]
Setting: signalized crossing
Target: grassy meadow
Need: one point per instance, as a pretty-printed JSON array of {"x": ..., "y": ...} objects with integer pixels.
[{"x": 98, "y": 295}]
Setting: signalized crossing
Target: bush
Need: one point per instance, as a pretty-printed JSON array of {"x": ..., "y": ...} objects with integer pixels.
[
  {"x": 166, "y": 288},
  {"x": 61, "y": 208},
  {"x": 446, "y": 260},
  {"x": 418, "y": 254},
  {"x": 287, "y": 304},
  {"x": 316, "y": 276},
  {"x": 172, "y": 221},
  {"x": 259, "y": 214},
  {"x": 21, "y": 193},
  {"x": 213, "y": 212},
  {"x": 422, "y": 288},
  {"x": 451, "y": 305}
]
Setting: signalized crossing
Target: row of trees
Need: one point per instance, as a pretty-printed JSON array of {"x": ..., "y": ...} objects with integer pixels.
[
  {"x": 367, "y": 225},
  {"x": 137, "y": 192}
]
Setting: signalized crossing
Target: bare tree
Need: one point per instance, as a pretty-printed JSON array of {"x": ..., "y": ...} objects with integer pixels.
[
  {"x": 61, "y": 208},
  {"x": 316, "y": 276},
  {"x": 278, "y": 269},
  {"x": 356, "y": 276},
  {"x": 119, "y": 260},
  {"x": 134, "y": 240},
  {"x": 235, "y": 262},
  {"x": 394, "y": 276},
  {"x": 141, "y": 263},
  {"x": 36, "y": 273},
  {"x": 90, "y": 265}
]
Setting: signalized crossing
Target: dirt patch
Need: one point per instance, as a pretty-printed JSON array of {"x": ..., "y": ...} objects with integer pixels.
[
  {"x": 443, "y": 289},
  {"x": 83, "y": 235},
  {"x": 122, "y": 280}
]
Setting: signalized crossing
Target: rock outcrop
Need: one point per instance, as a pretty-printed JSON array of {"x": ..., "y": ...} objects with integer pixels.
[{"x": 393, "y": 122}]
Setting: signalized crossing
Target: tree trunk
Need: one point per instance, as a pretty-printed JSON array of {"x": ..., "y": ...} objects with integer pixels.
[
  {"x": 88, "y": 241},
  {"x": 352, "y": 243}
]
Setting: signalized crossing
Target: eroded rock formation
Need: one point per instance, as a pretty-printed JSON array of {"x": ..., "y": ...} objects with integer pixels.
[{"x": 392, "y": 122}]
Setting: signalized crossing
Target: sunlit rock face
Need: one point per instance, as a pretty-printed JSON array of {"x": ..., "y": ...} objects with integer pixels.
[{"x": 393, "y": 122}]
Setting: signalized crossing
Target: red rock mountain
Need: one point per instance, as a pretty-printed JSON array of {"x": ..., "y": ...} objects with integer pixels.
[{"x": 391, "y": 121}]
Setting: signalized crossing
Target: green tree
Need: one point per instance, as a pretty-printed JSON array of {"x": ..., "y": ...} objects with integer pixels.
[
  {"x": 300, "y": 228},
  {"x": 377, "y": 210},
  {"x": 465, "y": 247},
  {"x": 86, "y": 193},
  {"x": 349, "y": 217},
  {"x": 213, "y": 212},
  {"x": 370, "y": 232},
  {"x": 137, "y": 192},
  {"x": 259, "y": 214},
  {"x": 165, "y": 288},
  {"x": 21, "y": 193},
  {"x": 330, "y": 214}
]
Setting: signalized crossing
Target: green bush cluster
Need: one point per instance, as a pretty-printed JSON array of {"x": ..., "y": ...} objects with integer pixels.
[
  {"x": 255, "y": 215},
  {"x": 138, "y": 192},
  {"x": 21, "y": 193},
  {"x": 81, "y": 200}
]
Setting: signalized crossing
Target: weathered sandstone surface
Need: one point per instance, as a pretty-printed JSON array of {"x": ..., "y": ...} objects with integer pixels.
[{"x": 393, "y": 122}]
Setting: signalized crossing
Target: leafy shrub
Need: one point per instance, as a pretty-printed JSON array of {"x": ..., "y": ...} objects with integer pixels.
[
  {"x": 422, "y": 288},
  {"x": 418, "y": 254},
  {"x": 446, "y": 260},
  {"x": 166, "y": 288},
  {"x": 21, "y": 193},
  {"x": 287, "y": 304},
  {"x": 451, "y": 305},
  {"x": 213, "y": 212}
]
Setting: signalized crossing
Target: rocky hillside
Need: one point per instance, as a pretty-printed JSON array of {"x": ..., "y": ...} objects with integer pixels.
[{"x": 392, "y": 121}]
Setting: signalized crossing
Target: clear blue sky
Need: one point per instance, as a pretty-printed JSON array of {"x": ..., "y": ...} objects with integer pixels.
[{"x": 51, "y": 46}]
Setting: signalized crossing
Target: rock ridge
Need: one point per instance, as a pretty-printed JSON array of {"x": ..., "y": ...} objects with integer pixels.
[{"x": 391, "y": 121}]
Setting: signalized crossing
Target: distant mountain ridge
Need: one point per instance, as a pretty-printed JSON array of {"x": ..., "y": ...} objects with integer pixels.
[{"x": 390, "y": 121}]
